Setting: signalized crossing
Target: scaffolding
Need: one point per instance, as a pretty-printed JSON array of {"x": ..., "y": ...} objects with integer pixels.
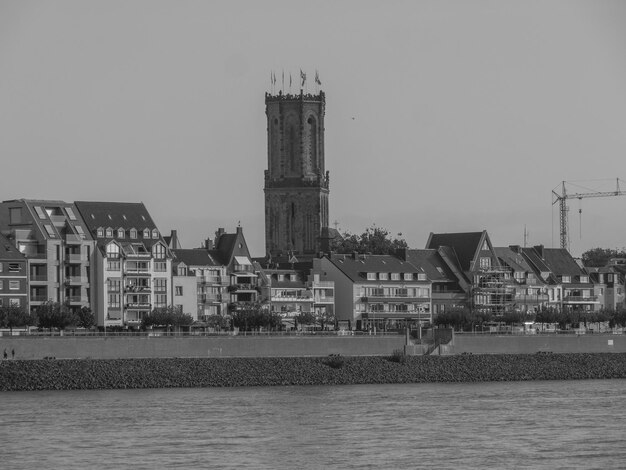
[{"x": 493, "y": 290}]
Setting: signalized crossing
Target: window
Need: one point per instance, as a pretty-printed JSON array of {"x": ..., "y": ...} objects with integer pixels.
[
  {"x": 0, "y": 267},
  {"x": 158, "y": 251},
  {"x": 40, "y": 213},
  {"x": 160, "y": 285},
  {"x": 155, "y": 233},
  {"x": 281, "y": 277},
  {"x": 133, "y": 233},
  {"x": 14, "y": 302},
  {"x": 109, "y": 232},
  {"x": 50, "y": 230},
  {"x": 408, "y": 276},
  {"x": 14, "y": 285},
  {"x": 113, "y": 251},
  {"x": 100, "y": 232},
  {"x": 160, "y": 300},
  {"x": 371, "y": 276},
  {"x": 179, "y": 290},
  {"x": 15, "y": 215},
  {"x": 584, "y": 279},
  {"x": 566, "y": 279},
  {"x": 383, "y": 276},
  {"x": 120, "y": 233},
  {"x": 609, "y": 277},
  {"x": 70, "y": 213},
  {"x": 113, "y": 265},
  {"x": 160, "y": 266},
  {"x": 421, "y": 276},
  {"x": 80, "y": 231},
  {"x": 1, "y": 284},
  {"x": 114, "y": 301},
  {"x": 485, "y": 262},
  {"x": 182, "y": 270},
  {"x": 395, "y": 276},
  {"x": 14, "y": 268},
  {"x": 146, "y": 233}
]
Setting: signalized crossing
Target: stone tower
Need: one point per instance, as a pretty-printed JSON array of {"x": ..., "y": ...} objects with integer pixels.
[{"x": 296, "y": 182}]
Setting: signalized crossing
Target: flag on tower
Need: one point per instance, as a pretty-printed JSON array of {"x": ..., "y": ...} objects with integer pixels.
[
  {"x": 317, "y": 78},
  {"x": 303, "y": 77}
]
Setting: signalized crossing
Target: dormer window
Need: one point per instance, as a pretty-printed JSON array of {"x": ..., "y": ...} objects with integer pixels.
[
  {"x": 383, "y": 276},
  {"x": 584, "y": 279},
  {"x": 395, "y": 276},
  {"x": 408, "y": 276},
  {"x": 100, "y": 232},
  {"x": 566, "y": 279},
  {"x": 421, "y": 276},
  {"x": 133, "y": 233},
  {"x": 158, "y": 251},
  {"x": 109, "y": 232},
  {"x": 371, "y": 276},
  {"x": 155, "y": 233},
  {"x": 146, "y": 233},
  {"x": 120, "y": 233},
  {"x": 281, "y": 277},
  {"x": 113, "y": 250}
]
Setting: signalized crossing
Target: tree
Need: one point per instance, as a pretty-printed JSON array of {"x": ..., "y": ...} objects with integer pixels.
[
  {"x": 252, "y": 315},
  {"x": 326, "y": 317},
  {"x": 86, "y": 318},
  {"x": 306, "y": 318},
  {"x": 54, "y": 315},
  {"x": 166, "y": 317},
  {"x": 375, "y": 240},
  {"x": 15, "y": 317},
  {"x": 598, "y": 257},
  {"x": 217, "y": 322}
]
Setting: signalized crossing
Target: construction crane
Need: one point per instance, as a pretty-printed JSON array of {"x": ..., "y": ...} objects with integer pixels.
[{"x": 563, "y": 208}]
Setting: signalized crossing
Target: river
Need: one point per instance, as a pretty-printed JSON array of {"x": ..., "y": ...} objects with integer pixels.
[{"x": 551, "y": 425}]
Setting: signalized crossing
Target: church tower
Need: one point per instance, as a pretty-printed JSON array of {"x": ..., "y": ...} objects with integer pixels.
[{"x": 296, "y": 182}]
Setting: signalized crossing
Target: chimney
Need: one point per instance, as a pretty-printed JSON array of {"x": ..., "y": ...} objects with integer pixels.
[
  {"x": 239, "y": 229},
  {"x": 174, "y": 240},
  {"x": 208, "y": 244},
  {"x": 355, "y": 255}
]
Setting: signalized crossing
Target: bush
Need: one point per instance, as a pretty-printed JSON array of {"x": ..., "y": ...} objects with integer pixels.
[
  {"x": 398, "y": 355},
  {"x": 335, "y": 361}
]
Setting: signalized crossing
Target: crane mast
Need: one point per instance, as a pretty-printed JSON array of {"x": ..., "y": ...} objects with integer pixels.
[{"x": 563, "y": 208}]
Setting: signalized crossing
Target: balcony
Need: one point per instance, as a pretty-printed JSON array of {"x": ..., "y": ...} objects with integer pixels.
[
  {"x": 137, "y": 289},
  {"x": 76, "y": 280},
  {"x": 77, "y": 299},
  {"x": 242, "y": 288},
  {"x": 204, "y": 298},
  {"x": 74, "y": 258},
  {"x": 580, "y": 298},
  {"x": 321, "y": 284},
  {"x": 324, "y": 300},
  {"x": 390, "y": 298},
  {"x": 218, "y": 280},
  {"x": 38, "y": 278},
  {"x": 137, "y": 271},
  {"x": 38, "y": 298},
  {"x": 139, "y": 305},
  {"x": 292, "y": 298}
]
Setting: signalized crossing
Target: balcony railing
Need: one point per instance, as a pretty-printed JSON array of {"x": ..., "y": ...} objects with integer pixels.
[
  {"x": 76, "y": 280},
  {"x": 139, "y": 305},
  {"x": 74, "y": 258},
  {"x": 137, "y": 289},
  {"x": 212, "y": 280},
  {"x": 292, "y": 298},
  {"x": 38, "y": 277},
  {"x": 324, "y": 300},
  {"x": 321, "y": 284},
  {"x": 387, "y": 298},
  {"x": 580, "y": 298},
  {"x": 38, "y": 298},
  {"x": 77, "y": 299},
  {"x": 209, "y": 298}
]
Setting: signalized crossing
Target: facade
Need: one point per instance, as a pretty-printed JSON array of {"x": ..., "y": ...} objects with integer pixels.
[
  {"x": 132, "y": 274},
  {"x": 13, "y": 276},
  {"x": 531, "y": 290},
  {"x": 471, "y": 258},
  {"x": 296, "y": 182},
  {"x": 55, "y": 240},
  {"x": 286, "y": 294},
  {"x": 449, "y": 292},
  {"x": 199, "y": 283},
  {"x": 376, "y": 292}
]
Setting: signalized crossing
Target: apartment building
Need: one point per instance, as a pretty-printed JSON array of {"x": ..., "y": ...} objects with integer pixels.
[
  {"x": 377, "y": 292},
  {"x": 54, "y": 238},
  {"x": 132, "y": 272}
]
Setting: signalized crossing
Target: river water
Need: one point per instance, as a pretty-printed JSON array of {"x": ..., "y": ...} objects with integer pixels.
[{"x": 551, "y": 425}]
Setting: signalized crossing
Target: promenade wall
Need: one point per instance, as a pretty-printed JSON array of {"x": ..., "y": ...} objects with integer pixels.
[
  {"x": 116, "y": 347},
  {"x": 530, "y": 344}
]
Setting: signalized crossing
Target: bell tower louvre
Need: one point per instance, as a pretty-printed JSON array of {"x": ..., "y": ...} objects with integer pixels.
[{"x": 296, "y": 182}]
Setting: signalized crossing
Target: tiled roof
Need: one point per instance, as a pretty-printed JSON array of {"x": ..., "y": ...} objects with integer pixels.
[
  {"x": 355, "y": 268},
  {"x": 465, "y": 245},
  {"x": 512, "y": 259},
  {"x": 430, "y": 261},
  {"x": 561, "y": 262},
  {"x": 196, "y": 257},
  {"x": 115, "y": 215}
]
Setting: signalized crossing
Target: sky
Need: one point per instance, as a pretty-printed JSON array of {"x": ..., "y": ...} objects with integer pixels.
[{"x": 441, "y": 116}]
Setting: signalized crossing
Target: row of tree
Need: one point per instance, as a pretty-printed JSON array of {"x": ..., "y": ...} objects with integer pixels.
[
  {"x": 467, "y": 320},
  {"x": 47, "y": 315}
]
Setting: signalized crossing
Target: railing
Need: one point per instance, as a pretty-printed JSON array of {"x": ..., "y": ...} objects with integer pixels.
[
  {"x": 75, "y": 258},
  {"x": 580, "y": 298},
  {"x": 38, "y": 277},
  {"x": 375, "y": 298},
  {"x": 76, "y": 280},
  {"x": 321, "y": 284},
  {"x": 39, "y": 298},
  {"x": 292, "y": 298},
  {"x": 77, "y": 299},
  {"x": 323, "y": 300},
  {"x": 140, "y": 305},
  {"x": 137, "y": 289}
]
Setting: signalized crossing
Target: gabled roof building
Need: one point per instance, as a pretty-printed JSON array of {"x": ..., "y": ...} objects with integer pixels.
[{"x": 132, "y": 262}]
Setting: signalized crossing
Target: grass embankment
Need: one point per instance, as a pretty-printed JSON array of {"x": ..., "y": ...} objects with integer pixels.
[{"x": 232, "y": 372}]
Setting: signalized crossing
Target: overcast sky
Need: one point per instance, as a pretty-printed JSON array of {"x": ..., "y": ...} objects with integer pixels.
[{"x": 441, "y": 116}]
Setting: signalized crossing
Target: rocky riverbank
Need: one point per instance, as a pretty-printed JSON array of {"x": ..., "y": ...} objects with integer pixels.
[{"x": 51, "y": 374}]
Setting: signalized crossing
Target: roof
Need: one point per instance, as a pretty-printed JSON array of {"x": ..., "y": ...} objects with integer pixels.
[
  {"x": 115, "y": 215},
  {"x": 515, "y": 260},
  {"x": 432, "y": 263},
  {"x": 196, "y": 257},
  {"x": 561, "y": 262},
  {"x": 465, "y": 245},
  {"x": 355, "y": 267}
]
